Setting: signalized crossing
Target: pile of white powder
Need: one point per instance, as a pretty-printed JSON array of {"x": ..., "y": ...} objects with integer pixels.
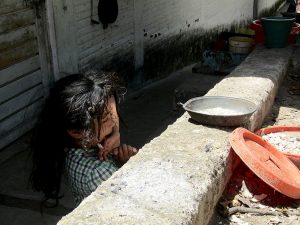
[{"x": 287, "y": 142}]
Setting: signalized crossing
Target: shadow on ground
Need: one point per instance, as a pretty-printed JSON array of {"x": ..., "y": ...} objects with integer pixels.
[{"x": 148, "y": 112}]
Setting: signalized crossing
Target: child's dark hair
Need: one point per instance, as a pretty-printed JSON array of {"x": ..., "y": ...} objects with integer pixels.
[{"x": 73, "y": 103}]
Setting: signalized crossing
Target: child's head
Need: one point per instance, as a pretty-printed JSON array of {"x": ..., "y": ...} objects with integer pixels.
[
  {"x": 81, "y": 104},
  {"x": 78, "y": 112}
]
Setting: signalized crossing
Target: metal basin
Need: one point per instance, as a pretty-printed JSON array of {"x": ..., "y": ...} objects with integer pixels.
[{"x": 220, "y": 110}]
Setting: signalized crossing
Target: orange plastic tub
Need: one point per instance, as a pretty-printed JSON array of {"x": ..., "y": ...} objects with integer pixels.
[
  {"x": 295, "y": 158},
  {"x": 269, "y": 164}
]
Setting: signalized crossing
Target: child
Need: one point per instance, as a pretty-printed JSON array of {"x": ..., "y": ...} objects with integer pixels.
[{"x": 79, "y": 131}]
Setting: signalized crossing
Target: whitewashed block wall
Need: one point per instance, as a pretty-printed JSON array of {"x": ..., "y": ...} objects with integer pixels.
[
  {"x": 141, "y": 23},
  {"x": 95, "y": 43}
]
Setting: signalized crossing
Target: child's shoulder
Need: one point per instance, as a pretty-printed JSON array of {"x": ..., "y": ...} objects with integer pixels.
[{"x": 80, "y": 159}]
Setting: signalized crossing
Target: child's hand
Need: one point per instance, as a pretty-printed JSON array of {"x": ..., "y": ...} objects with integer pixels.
[
  {"x": 110, "y": 143},
  {"x": 123, "y": 153}
]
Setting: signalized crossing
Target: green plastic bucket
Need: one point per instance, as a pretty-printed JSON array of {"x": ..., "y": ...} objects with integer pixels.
[{"x": 277, "y": 31}]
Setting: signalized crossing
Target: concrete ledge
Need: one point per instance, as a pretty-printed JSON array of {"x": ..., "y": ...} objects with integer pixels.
[{"x": 179, "y": 176}]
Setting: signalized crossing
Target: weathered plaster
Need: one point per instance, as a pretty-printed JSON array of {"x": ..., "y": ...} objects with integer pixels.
[{"x": 168, "y": 28}]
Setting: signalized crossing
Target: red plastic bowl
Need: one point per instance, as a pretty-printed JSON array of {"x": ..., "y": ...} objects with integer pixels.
[{"x": 259, "y": 32}]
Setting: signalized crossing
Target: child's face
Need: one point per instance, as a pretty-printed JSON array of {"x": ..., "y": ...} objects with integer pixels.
[
  {"x": 106, "y": 131},
  {"x": 109, "y": 122}
]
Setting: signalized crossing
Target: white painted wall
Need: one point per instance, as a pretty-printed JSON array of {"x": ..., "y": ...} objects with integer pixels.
[
  {"x": 24, "y": 68},
  {"x": 97, "y": 45},
  {"x": 170, "y": 17},
  {"x": 158, "y": 20}
]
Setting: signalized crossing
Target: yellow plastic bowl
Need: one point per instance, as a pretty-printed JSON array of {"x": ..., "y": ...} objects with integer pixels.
[
  {"x": 241, "y": 45},
  {"x": 242, "y": 42}
]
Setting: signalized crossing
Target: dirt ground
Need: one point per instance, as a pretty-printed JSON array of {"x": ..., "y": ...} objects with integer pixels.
[{"x": 245, "y": 190}]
